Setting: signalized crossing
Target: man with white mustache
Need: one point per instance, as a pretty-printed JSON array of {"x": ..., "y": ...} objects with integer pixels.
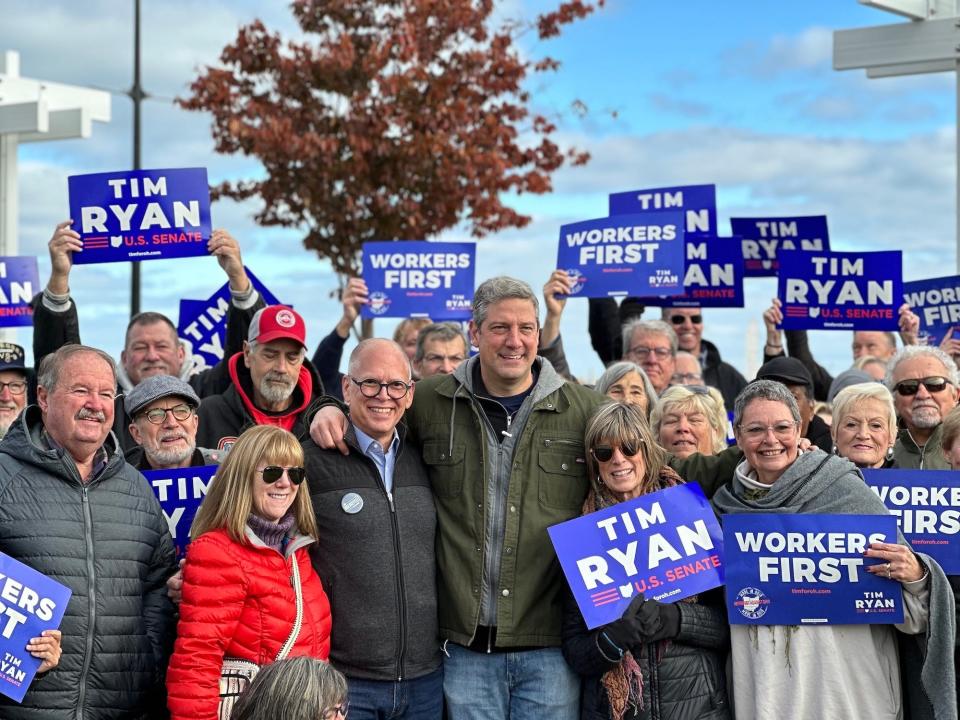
[
  {"x": 75, "y": 511},
  {"x": 272, "y": 382},
  {"x": 164, "y": 426},
  {"x": 13, "y": 384},
  {"x": 924, "y": 382}
]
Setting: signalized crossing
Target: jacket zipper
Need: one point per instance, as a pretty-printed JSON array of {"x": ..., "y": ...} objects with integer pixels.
[
  {"x": 498, "y": 511},
  {"x": 402, "y": 650},
  {"x": 91, "y": 601}
]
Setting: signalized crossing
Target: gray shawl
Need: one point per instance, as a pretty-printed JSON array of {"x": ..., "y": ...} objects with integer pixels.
[{"x": 820, "y": 483}]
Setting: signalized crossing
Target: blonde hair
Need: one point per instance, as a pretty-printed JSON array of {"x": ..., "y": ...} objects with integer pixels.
[
  {"x": 853, "y": 395},
  {"x": 619, "y": 423},
  {"x": 407, "y": 324},
  {"x": 705, "y": 399},
  {"x": 229, "y": 500}
]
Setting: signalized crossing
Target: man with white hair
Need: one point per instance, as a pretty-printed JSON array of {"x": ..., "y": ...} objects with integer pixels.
[
  {"x": 687, "y": 370},
  {"x": 652, "y": 344},
  {"x": 924, "y": 382},
  {"x": 272, "y": 382}
]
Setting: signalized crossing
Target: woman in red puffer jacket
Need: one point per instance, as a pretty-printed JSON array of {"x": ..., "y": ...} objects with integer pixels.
[{"x": 238, "y": 581}]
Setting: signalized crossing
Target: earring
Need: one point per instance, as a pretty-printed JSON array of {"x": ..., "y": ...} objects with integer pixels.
[
  {"x": 834, "y": 450},
  {"x": 889, "y": 454}
]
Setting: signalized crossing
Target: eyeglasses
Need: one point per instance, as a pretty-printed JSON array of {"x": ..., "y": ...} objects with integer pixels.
[
  {"x": 158, "y": 415},
  {"x": 336, "y": 711},
  {"x": 641, "y": 352},
  {"x": 603, "y": 453},
  {"x": 396, "y": 389},
  {"x": 933, "y": 384},
  {"x": 684, "y": 378},
  {"x": 17, "y": 387},
  {"x": 755, "y": 433},
  {"x": 272, "y": 473},
  {"x": 680, "y": 319}
]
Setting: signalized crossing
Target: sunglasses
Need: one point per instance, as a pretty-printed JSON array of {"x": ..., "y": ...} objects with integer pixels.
[
  {"x": 603, "y": 453},
  {"x": 272, "y": 473},
  {"x": 933, "y": 384},
  {"x": 681, "y": 319}
]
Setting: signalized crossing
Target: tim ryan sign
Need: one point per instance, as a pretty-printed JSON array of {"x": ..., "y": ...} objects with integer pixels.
[
  {"x": 180, "y": 492},
  {"x": 713, "y": 277},
  {"x": 19, "y": 281},
  {"x": 666, "y": 545},
  {"x": 698, "y": 203},
  {"x": 763, "y": 239},
  {"x": 140, "y": 214},
  {"x": 840, "y": 291}
]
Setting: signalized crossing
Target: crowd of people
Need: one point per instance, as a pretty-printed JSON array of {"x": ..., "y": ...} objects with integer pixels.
[{"x": 375, "y": 540}]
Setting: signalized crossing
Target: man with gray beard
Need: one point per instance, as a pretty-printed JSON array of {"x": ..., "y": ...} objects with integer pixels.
[
  {"x": 13, "y": 384},
  {"x": 272, "y": 382},
  {"x": 164, "y": 426},
  {"x": 924, "y": 382}
]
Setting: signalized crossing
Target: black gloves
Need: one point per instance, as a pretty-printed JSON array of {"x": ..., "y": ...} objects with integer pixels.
[{"x": 644, "y": 621}]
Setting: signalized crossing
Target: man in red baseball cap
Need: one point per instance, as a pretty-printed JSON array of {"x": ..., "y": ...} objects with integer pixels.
[{"x": 272, "y": 382}]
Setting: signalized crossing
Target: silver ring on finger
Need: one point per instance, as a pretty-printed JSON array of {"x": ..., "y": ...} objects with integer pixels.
[{"x": 888, "y": 571}]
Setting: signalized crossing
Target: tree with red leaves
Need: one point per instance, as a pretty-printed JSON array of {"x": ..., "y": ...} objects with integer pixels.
[{"x": 393, "y": 120}]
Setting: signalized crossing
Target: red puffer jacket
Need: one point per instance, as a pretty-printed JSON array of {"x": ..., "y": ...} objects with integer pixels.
[{"x": 238, "y": 602}]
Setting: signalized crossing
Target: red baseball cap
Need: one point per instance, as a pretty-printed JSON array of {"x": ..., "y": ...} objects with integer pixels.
[{"x": 277, "y": 322}]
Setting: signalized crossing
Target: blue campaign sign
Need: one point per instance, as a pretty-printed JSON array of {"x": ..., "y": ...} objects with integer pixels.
[
  {"x": 713, "y": 278},
  {"x": 666, "y": 544},
  {"x": 763, "y": 239},
  {"x": 140, "y": 214},
  {"x": 937, "y": 303},
  {"x": 927, "y": 506},
  {"x": 785, "y": 569},
  {"x": 624, "y": 255},
  {"x": 419, "y": 279},
  {"x": 31, "y": 603},
  {"x": 202, "y": 324},
  {"x": 697, "y": 202},
  {"x": 19, "y": 282},
  {"x": 840, "y": 291},
  {"x": 180, "y": 492}
]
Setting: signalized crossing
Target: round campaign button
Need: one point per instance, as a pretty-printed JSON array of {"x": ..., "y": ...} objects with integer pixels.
[{"x": 351, "y": 503}]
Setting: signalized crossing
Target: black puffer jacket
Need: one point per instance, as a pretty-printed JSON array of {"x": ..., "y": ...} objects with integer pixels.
[
  {"x": 376, "y": 560},
  {"x": 109, "y": 543},
  {"x": 687, "y": 683}
]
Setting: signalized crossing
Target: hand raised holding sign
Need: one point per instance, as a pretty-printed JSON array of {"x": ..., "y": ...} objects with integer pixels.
[
  {"x": 353, "y": 296},
  {"x": 555, "y": 298},
  {"x": 47, "y": 648},
  {"x": 62, "y": 245},
  {"x": 224, "y": 247},
  {"x": 772, "y": 318},
  {"x": 909, "y": 323},
  {"x": 950, "y": 345}
]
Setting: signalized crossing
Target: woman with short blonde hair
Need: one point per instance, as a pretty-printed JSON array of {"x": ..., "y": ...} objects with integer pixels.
[{"x": 690, "y": 419}]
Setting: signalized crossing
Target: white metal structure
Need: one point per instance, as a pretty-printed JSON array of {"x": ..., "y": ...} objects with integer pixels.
[
  {"x": 33, "y": 110},
  {"x": 929, "y": 43}
]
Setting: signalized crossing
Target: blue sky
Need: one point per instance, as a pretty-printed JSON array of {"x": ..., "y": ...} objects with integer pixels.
[{"x": 739, "y": 94}]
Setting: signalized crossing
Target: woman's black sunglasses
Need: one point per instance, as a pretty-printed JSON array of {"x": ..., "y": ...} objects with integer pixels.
[
  {"x": 603, "y": 453},
  {"x": 272, "y": 473}
]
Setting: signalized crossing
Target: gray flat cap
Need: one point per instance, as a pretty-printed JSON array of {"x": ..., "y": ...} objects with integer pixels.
[{"x": 156, "y": 387}]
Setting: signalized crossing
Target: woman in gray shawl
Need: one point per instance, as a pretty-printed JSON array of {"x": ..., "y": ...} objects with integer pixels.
[{"x": 835, "y": 671}]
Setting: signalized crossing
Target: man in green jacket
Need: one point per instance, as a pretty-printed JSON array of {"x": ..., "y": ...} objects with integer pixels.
[
  {"x": 502, "y": 438},
  {"x": 924, "y": 383}
]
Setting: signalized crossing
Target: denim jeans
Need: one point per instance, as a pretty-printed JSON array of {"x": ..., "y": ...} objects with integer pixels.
[
  {"x": 417, "y": 699},
  {"x": 528, "y": 685}
]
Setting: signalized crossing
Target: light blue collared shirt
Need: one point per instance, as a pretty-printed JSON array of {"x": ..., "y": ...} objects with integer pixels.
[{"x": 383, "y": 460}]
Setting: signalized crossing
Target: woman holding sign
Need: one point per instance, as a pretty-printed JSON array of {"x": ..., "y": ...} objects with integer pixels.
[
  {"x": 832, "y": 671},
  {"x": 250, "y": 594},
  {"x": 864, "y": 425},
  {"x": 659, "y": 660}
]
